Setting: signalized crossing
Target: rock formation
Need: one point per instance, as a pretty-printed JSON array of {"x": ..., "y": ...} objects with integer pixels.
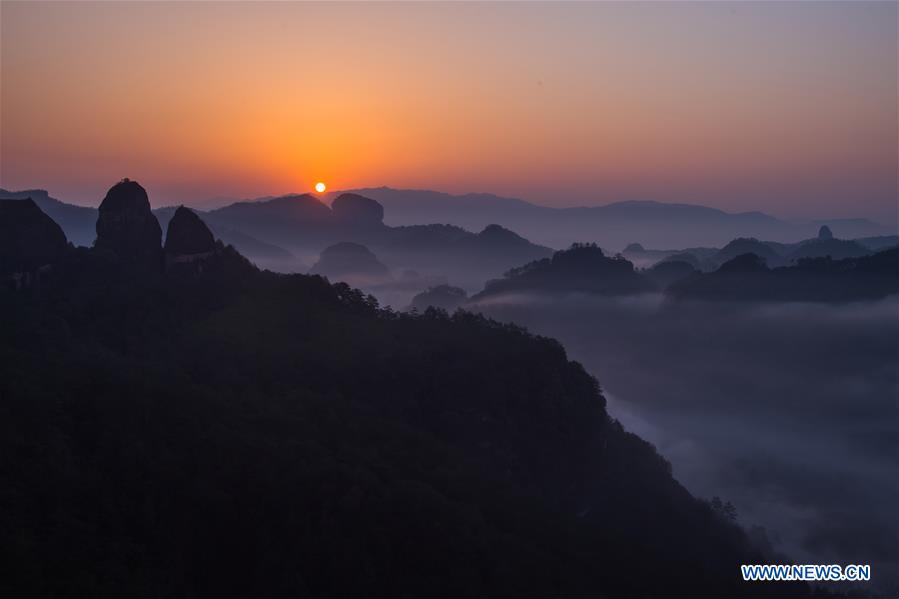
[
  {"x": 187, "y": 239},
  {"x": 128, "y": 228},
  {"x": 30, "y": 241}
]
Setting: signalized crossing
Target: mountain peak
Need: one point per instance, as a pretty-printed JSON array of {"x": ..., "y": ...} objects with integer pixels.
[
  {"x": 29, "y": 239},
  {"x": 494, "y": 230},
  {"x": 356, "y": 209},
  {"x": 188, "y": 235},
  {"x": 127, "y": 226}
]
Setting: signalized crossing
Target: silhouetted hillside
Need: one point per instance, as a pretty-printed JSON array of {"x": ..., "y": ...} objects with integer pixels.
[
  {"x": 882, "y": 242},
  {"x": 226, "y": 432},
  {"x": 748, "y": 278},
  {"x": 445, "y": 297},
  {"x": 643, "y": 257},
  {"x": 741, "y": 246},
  {"x": 837, "y": 249},
  {"x": 583, "y": 268}
]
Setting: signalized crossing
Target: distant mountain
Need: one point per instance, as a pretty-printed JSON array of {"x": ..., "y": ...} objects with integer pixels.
[
  {"x": 288, "y": 221},
  {"x": 583, "y": 268},
  {"x": 774, "y": 253},
  {"x": 835, "y": 248},
  {"x": 612, "y": 226},
  {"x": 747, "y": 278},
  {"x": 644, "y": 258},
  {"x": 305, "y": 225},
  {"x": 881, "y": 242},
  {"x": 348, "y": 261},
  {"x": 273, "y": 231},
  {"x": 750, "y": 245}
]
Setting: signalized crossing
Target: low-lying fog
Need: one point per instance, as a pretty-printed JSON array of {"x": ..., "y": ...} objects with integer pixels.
[{"x": 789, "y": 411}]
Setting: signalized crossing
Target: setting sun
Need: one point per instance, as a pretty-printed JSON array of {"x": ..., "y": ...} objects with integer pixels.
[{"x": 320, "y": 187}]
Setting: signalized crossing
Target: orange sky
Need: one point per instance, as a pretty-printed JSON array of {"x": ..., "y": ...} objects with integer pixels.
[{"x": 789, "y": 108}]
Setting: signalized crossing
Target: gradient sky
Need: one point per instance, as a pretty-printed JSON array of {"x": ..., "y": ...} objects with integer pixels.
[{"x": 790, "y": 108}]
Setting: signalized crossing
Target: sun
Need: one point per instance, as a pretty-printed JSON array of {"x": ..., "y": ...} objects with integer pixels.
[{"x": 320, "y": 187}]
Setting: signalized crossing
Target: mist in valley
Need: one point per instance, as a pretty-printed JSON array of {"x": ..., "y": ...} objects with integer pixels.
[{"x": 787, "y": 410}]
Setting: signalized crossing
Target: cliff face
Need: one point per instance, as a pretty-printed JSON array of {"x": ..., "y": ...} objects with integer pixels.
[
  {"x": 127, "y": 227},
  {"x": 29, "y": 241},
  {"x": 189, "y": 244},
  {"x": 188, "y": 235}
]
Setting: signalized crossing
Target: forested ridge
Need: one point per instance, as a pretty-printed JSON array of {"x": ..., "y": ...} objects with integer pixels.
[{"x": 212, "y": 430}]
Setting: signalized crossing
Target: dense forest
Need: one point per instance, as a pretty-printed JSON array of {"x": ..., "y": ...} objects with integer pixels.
[
  {"x": 583, "y": 268},
  {"x": 175, "y": 422}
]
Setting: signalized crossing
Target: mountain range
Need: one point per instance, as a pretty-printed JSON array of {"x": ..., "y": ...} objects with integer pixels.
[
  {"x": 744, "y": 277},
  {"x": 612, "y": 226},
  {"x": 288, "y": 233},
  {"x": 176, "y": 422},
  {"x": 427, "y": 236}
]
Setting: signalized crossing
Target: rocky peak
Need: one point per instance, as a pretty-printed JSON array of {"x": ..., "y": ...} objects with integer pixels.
[
  {"x": 127, "y": 227},
  {"x": 825, "y": 233},
  {"x": 188, "y": 235},
  {"x": 29, "y": 239}
]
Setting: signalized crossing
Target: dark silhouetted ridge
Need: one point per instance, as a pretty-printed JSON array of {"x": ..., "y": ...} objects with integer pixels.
[
  {"x": 581, "y": 268},
  {"x": 750, "y": 245},
  {"x": 822, "y": 279},
  {"x": 445, "y": 297}
]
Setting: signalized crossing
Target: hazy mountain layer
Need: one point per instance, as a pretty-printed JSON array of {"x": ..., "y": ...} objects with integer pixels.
[{"x": 613, "y": 226}]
